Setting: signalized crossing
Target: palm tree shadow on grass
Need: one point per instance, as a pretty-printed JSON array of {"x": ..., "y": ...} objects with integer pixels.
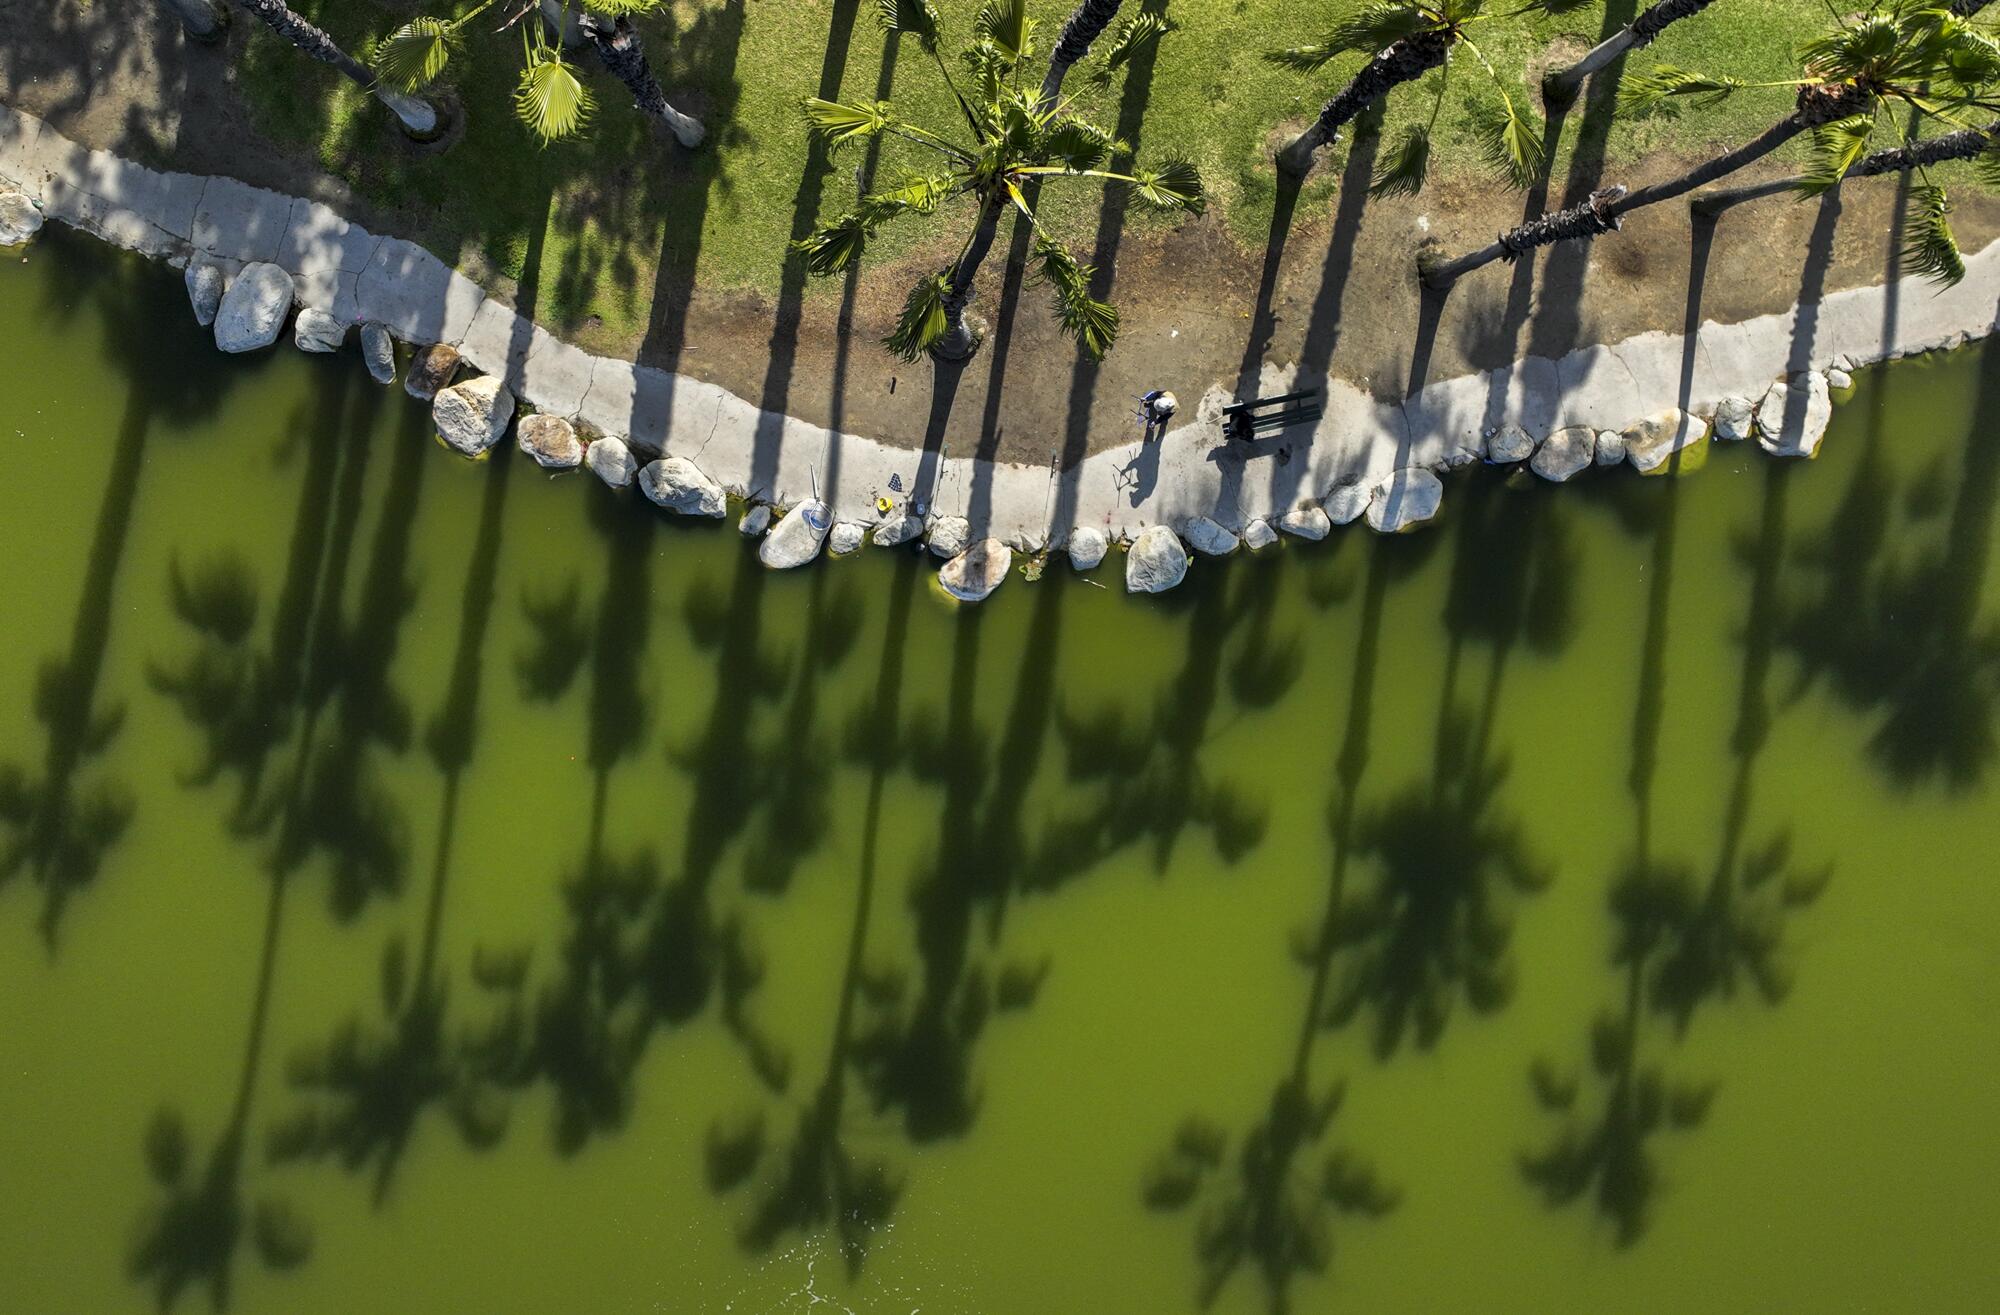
[{"x": 63, "y": 815}]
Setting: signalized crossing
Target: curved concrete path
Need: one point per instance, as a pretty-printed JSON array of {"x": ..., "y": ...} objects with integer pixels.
[{"x": 1353, "y": 451}]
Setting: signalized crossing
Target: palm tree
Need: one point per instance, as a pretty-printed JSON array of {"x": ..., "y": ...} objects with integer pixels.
[
  {"x": 550, "y": 99},
  {"x": 418, "y": 116},
  {"x": 1085, "y": 24},
  {"x": 1964, "y": 144},
  {"x": 1016, "y": 143},
  {"x": 1896, "y": 52},
  {"x": 1560, "y": 86},
  {"x": 1409, "y": 38}
]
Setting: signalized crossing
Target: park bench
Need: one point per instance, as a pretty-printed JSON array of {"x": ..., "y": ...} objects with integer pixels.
[{"x": 1244, "y": 421}]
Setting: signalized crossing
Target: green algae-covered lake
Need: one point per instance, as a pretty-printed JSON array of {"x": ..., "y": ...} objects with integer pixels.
[{"x": 429, "y": 886}]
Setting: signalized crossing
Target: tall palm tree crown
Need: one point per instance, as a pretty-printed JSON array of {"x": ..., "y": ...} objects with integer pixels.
[
  {"x": 1014, "y": 143},
  {"x": 1406, "y": 39},
  {"x": 1909, "y": 52}
]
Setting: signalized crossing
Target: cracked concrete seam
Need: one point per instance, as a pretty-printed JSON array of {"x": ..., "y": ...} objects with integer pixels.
[{"x": 1019, "y": 497}]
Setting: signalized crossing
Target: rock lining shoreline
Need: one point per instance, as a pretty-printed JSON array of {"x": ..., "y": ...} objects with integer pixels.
[{"x": 251, "y": 256}]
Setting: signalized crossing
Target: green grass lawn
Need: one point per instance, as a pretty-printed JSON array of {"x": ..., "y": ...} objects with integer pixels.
[{"x": 613, "y": 209}]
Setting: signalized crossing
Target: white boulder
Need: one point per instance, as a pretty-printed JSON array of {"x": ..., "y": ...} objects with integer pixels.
[
  {"x": 1259, "y": 534},
  {"x": 1565, "y": 452},
  {"x": 317, "y": 331},
  {"x": 755, "y": 521},
  {"x": 1209, "y": 538},
  {"x": 680, "y": 486},
  {"x": 1838, "y": 379},
  {"x": 1345, "y": 504},
  {"x": 254, "y": 309},
  {"x": 797, "y": 537},
  {"x": 1789, "y": 426},
  {"x": 1087, "y": 546},
  {"x": 890, "y": 533},
  {"x": 1610, "y": 447},
  {"x": 1156, "y": 563},
  {"x": 611, "y": 461},
  {"x": 550, "y": 440},
  {"x": 20, "y": 218},
  {"x": 1652, "y": 443},
  {"x": 378, "y": 349},
  {"x": 950, "y": 535},
  {"x": 471, "y": 417},
  {"x": 1733, "y": 419},
  {"x": 204, "y": 287},
  {"x": 1306, "y": 522},
  {"x": 1509, "y": 443},
  {"x": 844, "y": 538},
  {"x": 977, "y": 572},
  {"x": 1404, "y": 499}
]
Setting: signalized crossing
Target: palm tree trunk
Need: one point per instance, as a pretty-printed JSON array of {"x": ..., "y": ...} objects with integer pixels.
[
  {"x": 958, "y": 342},
  {"x": 205, "y": 21},
  {"x": 1404, "y": 61},
  {"x": 1601, "y": 212},
  {"x": 1961, "y": 145},
  {"x": 418, "y": 117},
  {"x": 1560, "y": 87},
  {"x": 624, "y": 54},
  {"x": 1086, "y": 23},
  {"x": 563, "y": 25}
]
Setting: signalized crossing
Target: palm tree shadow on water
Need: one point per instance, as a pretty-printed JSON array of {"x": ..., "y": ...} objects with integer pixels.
[
  {"x": 1446, "y": 860},
  {"x": 1892, "y": 621},
  {"x": 260, "y": 710},
  {"x": 62, "y": 816},
  {"x": 1679, "y": 943},
  {"x": 1272, "y": 1204},
  {"x": 817, "y": 1178},
  {"x": 364, "y": 1090}
]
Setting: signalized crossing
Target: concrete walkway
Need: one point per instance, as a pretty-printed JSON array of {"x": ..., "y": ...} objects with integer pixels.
[{"x": 1351, "y": 457}]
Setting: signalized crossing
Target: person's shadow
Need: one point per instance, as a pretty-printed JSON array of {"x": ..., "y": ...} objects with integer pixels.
[{"x": 1142, "y": 472}]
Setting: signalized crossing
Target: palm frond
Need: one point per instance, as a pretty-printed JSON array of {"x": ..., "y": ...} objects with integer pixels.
[
  {"x": 1133, "y": 35},
  {"x": 1077, "y": 144},
  {"x": 621, "y": 8},
  {"x": 923, "y": 320},
  {"x": 1556, "y": 8},
  {"x": 1379, "y": 25},
  {"x": 833, "y": 247},
  {"x": 551, "y": 100},
  {"x": 918, "y": 18},
  {"x": 1930, "y": 251},
  {"x": 1304, "y": 59},
  {"x": 1987, "y": 164},
  {"x": 1006, "y": 24},
  {"x": 1091, "y": 323},
  {"x": 415, "y": 54},
  {"x": 839, "y": 122},
  {"x": 1853, "y": 49},
  {"x": 1175, "y": 185},
  {"x": 1511, "y": 142},
  {"x": 1836, "y": 147},
  {"x": 1404, "y": 171},
  {"x": 1644, "y": 93},
  {"x": 917, "y": 194}
]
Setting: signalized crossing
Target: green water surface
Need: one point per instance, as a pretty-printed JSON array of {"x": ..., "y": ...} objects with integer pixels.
[{"x": 430, "y": 886}]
